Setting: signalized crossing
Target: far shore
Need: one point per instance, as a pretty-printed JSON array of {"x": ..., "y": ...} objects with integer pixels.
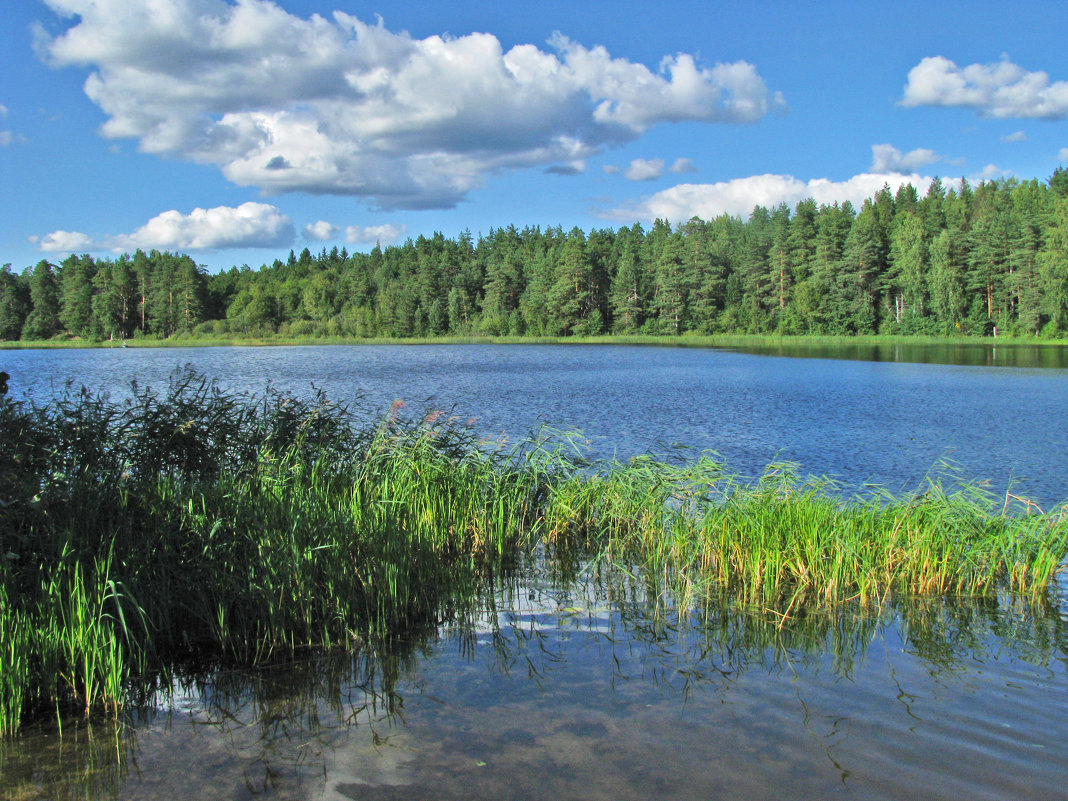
[{"x": 703, "y": 341}]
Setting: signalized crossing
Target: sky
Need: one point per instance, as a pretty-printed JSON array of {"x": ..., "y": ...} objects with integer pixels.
[{"x": 237, "y": 130}]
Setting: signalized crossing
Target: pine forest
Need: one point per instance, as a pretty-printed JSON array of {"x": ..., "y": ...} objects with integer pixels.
[{"x": 990, "y": 259}]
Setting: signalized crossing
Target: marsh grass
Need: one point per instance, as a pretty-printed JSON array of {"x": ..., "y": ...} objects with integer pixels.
[
  {"x": 194, "y": 527},
  {"x": 787, "y": 544}
]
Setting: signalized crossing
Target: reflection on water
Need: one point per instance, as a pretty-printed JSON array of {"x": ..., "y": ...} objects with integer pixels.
[
  {"x": 576, "y": 689},
  {"x": 972, "y": 354}
]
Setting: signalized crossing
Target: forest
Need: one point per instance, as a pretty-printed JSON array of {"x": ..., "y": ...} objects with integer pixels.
[{"x": 989, "y": 259}]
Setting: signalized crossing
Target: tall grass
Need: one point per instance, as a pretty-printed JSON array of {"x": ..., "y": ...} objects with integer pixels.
[
  {"x": 787, "y": 543},
  {"x": 197, "y": 527}
]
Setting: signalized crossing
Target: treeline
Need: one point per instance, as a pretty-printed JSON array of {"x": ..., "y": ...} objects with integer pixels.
[{"x": 963, "y": 260}]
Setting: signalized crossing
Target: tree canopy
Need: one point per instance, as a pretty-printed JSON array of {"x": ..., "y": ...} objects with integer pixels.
[{"x": 964, "y": 260}]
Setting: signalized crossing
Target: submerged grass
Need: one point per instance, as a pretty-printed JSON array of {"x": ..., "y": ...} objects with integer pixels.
[{"x": 201, "y": 527}]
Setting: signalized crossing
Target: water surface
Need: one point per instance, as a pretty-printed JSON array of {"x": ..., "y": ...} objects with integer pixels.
[
  {"x": 857, "y": 421},
  {"x": 581, "y": 686},
  {"x": 581, "y": 691}
]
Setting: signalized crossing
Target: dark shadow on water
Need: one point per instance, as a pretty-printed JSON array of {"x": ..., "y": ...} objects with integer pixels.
[{"x": 983, "y": 354}]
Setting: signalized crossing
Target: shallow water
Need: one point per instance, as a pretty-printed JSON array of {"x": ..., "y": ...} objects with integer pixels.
[{"x": 566, "y": 691}]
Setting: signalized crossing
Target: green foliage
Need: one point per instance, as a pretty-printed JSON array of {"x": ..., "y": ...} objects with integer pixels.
[
  {"x": 195, "y": 526},
  {"x": 958, "y": 261},
  {"x": 14, "y": 304},
  {"x": 43, "y": 320}
]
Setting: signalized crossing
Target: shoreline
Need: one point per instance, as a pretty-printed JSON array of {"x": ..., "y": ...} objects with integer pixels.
[{"x": 697, "y": 341}]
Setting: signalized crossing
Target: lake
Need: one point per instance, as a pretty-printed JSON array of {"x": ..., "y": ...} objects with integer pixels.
[
  {"x": 567, "y": 683},
  {"x": 856, "y": 421}
]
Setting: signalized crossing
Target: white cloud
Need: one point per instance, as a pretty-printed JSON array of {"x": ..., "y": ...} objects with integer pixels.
[
  {"x": 355, "y": 235},
  {"x": 682, "y": 166},
  {"x": 645, "y": 169},
  {"x": 991, "y": 171},
  {"x": 342, "y": 107},
  {"x": 610, "y": 169},
  {"x": 1001, "y": 90},
  {"x": 739, "y": 196},
  {"x": 887, "y": 158},
  {"x": 321, "y": 231},
  {"x": 1018, "y": 136},
  {"x": 6, "y": 138},
  {"x": 3, "y": 111},
  {"x": 247, "y": 225},
  {"x": 1063, "y": 155},
  {"x": 64, "y": 242}
]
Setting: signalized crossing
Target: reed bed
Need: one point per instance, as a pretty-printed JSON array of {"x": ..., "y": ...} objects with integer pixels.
[
  {"x": 194, "y": 527},
  {"x": 786, "y": 543}
]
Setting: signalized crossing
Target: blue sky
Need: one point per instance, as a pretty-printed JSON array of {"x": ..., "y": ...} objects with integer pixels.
[{"x": 235, "y": 131}]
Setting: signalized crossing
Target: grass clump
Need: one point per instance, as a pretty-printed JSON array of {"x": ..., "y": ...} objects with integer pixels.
[
  {"x": 197, "y": 526},
  {"x": 785, "y": 543},
  {"x": 194, "y": 527}
]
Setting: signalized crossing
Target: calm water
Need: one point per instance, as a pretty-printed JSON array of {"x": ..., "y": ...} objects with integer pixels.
[
  {"x": 574, "y": 688},
  {"x": 858, "y": 421},
  {"x": 579, "y": 692}
]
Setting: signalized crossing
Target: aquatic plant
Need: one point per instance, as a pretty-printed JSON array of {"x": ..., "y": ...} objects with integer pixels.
[
  {"x": 787, "y": 542},
  {"x": 194, "y": 527}
]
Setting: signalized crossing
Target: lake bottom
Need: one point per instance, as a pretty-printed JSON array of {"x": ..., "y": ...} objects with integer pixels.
[{"x": 585, "y": 689}]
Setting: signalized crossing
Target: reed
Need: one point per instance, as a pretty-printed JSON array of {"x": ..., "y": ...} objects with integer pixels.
[
  {"x": 787, "y": 543},
  {"x": 194, "y": 527}
]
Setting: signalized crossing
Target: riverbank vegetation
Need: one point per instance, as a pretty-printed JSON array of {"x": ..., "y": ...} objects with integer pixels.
[
  {"x": 958, "y": 261},
  {"x": 197, "y": 527}
]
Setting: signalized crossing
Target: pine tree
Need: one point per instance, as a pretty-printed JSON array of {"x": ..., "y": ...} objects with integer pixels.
[
  {"x": 75, "y": 279},
  {"x": 672, "y": 287},
  {"x": 14, "y": 304},
  {"x": 905, "y": 288},
  {"x": 1053, "y": 267},
  {"x": 43, "y": 320},
  {"x": 630, "y": 286},
  {"x": 568, "y": 300}
]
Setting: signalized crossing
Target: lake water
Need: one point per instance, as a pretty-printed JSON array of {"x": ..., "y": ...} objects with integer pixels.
[
  {"x": 577, "y": 691},
  {"x": 572, "y": 687},
  {"x": 884, "y": 422}
]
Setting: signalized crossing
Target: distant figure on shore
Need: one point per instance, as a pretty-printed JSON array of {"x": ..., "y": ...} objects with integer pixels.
[{"x": 3, "y": 382}]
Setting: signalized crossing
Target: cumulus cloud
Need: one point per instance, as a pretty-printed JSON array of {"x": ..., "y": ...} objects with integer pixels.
[
  {"x": 1018, "y": 136},
  {"x": 321, "y": 231},
  {"x": 340, "y": 106},
  {"x": 739, "y": 196},
  {"x": 645, "y": 169},
  {"x": 887, "y": 158},
  {"x": 1001, "y": 90},
  {"x": 65, "y": 242},
  {"x": 682, "y": 166},
  {"x": 249, "y": 225},
  {"x": 1063, "y": 155},
  {"x": 355, "y": 235}
]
